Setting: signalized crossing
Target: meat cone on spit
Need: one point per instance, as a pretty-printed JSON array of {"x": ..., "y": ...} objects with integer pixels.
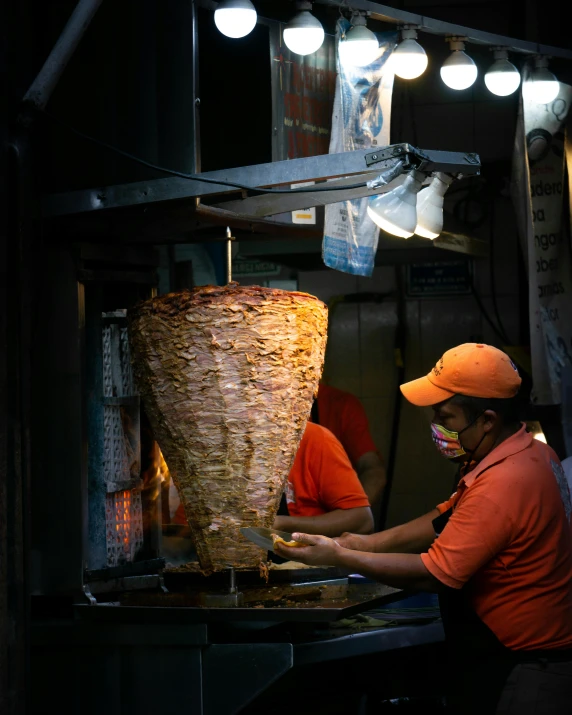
[{"x": 227, "y": 376}]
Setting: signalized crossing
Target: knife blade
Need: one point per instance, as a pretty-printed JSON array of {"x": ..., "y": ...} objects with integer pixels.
[{"x": 262, "y": 536}]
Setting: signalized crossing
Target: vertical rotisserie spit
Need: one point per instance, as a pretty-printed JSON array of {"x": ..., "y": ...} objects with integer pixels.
[{"x": 227, "y": 376}]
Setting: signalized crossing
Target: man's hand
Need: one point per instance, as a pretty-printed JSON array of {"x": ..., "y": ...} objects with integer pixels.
[
  {"x": 355, "y": 542},
  {"x": 321, "y": 551}
]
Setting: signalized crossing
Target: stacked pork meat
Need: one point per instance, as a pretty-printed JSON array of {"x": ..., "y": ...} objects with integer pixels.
[{"x": 227, "y": 376}]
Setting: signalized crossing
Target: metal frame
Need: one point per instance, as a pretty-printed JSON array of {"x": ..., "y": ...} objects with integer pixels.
[
  {"x": 362, "y": 165},
  {"x": 44, "y": 84},
  {"x": 383, "y": 13}
]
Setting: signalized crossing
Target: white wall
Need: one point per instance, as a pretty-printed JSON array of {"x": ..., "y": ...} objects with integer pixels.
[{"x": 360, "y": 356}]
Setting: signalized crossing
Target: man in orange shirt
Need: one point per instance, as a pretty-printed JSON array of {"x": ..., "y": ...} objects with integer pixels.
[
  {"x": 498, "y": 552},
  {"x": 343, "y": 414},
  {"x": 323, "y": 494}
]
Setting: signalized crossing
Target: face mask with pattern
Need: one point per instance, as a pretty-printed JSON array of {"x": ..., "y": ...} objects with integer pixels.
[{"x": 447, "y": 441}]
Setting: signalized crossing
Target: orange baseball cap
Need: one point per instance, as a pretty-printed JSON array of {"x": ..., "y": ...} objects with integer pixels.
[{"x": 470, "y": 369}]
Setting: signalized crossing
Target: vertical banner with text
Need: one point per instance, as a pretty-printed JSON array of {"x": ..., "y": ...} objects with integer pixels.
[
  {"x": 539, "y": 191},
  {"x": 302, "y": 97}
]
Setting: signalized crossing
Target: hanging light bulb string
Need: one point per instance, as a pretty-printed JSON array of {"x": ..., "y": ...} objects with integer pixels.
[{"x": 358, "y": 46}]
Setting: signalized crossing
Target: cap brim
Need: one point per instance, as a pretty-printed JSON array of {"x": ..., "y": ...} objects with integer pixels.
[{"x": 423, "y": 393}]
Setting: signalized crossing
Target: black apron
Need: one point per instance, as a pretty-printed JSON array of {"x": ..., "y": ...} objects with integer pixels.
[{"x": 479, "y": 664}]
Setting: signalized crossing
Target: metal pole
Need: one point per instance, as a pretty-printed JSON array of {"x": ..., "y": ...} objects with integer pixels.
[
  {"x": 233, "y": 588},
  {"x": 42, "y": 87},
  {"x": 229, "y": 240}
]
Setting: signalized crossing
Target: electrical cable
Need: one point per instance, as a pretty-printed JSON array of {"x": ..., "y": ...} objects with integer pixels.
[
  {"x": 399, "y": 351},
  {"x": 197, "y": 177},
  {"x": 492, "y": 270},
  {"x": 498, "y": 331}
]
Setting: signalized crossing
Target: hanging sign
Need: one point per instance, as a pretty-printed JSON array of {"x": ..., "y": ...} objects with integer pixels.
[
  {"x": 304, "y": 215},
  {"x": 439, "y": 278},
  {"x": 362, "y": 110}
]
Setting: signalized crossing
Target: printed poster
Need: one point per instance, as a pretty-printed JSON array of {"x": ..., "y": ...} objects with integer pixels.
[{"x": 539, "y": 191}]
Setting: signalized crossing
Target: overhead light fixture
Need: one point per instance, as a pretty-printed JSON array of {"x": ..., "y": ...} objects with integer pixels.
[
  {"x": 359, "y": 46},
  {"x": 304, "y": 33},
  {"x": 408, "y": 59},
  {"x": 430, "y": 206},
  {"x": 541, "y": 85},
  {"x": 235, "y": 18},
  {"x": 396, "y": 210},
  {"x": 459, "y": 71},
  {"x": 502, "y": 78}
]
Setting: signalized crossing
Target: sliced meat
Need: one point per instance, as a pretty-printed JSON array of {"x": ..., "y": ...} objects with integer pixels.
[{"x": 227, "y": 376}]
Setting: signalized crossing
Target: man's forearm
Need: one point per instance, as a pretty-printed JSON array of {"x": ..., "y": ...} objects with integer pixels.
[
  {"x": 398, "y": 570},
  {"x": 373, "y": 482},
  {"x": 414, "y": 537},
  {"x": 334, "y": 523},
  {"x": 371, "y": 472}
]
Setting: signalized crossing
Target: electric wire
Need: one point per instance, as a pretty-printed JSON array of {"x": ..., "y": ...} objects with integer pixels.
[
  {"x": 485, "y": 314},
  {"x": 198, "y": 177},
  {"x": 492, "y": 271}
]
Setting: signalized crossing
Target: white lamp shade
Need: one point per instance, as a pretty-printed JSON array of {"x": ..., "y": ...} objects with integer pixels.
[
  {"x": 542, "y": 86},
  {"x": 409, "y": 60},
  {"x": 395, "y": 211},
  {"x": 304, "y": 34},
  {"x": 235, "y": 18},
  {"x": 430, "y": 207},
  {"x": 459, "y": 71},
  {"x": 502, "y": 78},
  {"x": 359, "y": 48}
]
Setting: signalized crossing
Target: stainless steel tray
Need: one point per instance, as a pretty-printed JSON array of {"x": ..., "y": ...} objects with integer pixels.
[{"x": 321, "y": 610}]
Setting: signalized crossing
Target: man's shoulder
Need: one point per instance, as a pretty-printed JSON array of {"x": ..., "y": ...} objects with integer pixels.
[
  {"x": 315, "y": 434},
  {"x": 525, "y": 469},
  {"x": 319, "y": 441}
]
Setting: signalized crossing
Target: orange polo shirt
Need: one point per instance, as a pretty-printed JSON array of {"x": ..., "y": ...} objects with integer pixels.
[
  {"x": 344, "y": 415},
  {"x": 510, "y": 534},
  {"x": 322, "y": 478}
]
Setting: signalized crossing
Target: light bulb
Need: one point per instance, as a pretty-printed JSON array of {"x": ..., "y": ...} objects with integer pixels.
[
  {"x": 235, "y": 18},
  {"x": 430, "y": 206},
  {"x": 459, "y": 71},
  {"x": 541, "y": 85},
  {"x": 304, "y": 33},
  {"x": 360, "y": 46},
  {"x": 408, "y": 59},
  {"x": 502, "y": 78},
  {"x": 395, "y": 211}
]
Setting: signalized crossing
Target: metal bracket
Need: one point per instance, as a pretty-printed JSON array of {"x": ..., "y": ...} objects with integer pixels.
[
  {"x": 165, "y": 207},
  {"x": 88, "y": 594},
  {"x": 161, "y": 583},
  {"x": 472, "y": 158},
  {"x": 397, "y": 151}
]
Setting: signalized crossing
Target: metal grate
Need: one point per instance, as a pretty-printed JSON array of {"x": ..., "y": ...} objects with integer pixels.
[
  {"x": 124, "y": 526},
  {"x": 121, "y": 444}
]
